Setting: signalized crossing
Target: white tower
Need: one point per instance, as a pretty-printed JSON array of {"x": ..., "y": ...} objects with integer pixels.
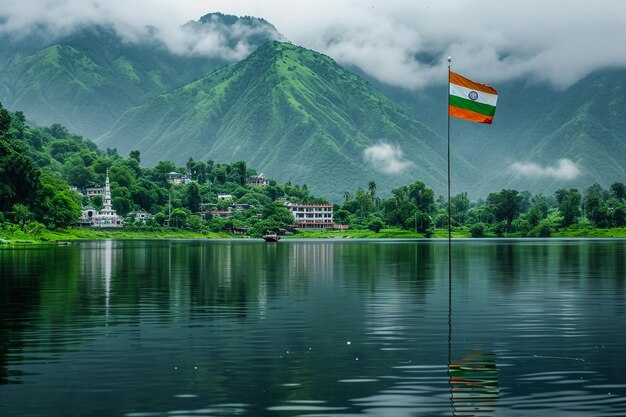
[{"x": 106, "y": 200}]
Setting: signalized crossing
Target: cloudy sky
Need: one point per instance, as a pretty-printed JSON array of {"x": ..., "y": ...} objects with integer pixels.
[{"x": 400, "y": 42}]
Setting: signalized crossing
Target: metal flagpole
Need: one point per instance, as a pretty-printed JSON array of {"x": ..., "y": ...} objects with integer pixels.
[
  {"x": 449, "y": 205},
  {"x": 449, "y": 202},
  {"x": 449, "y": 250}
]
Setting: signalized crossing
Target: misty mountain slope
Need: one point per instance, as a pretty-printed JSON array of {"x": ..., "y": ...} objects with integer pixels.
[
  {"x": 296, "y": 115},
  {"x": 88, "y": 78},
  {"x": 585, "y": 124},
  {"x": 536, "y": 124},
  {"x": 56, "y": 82}
]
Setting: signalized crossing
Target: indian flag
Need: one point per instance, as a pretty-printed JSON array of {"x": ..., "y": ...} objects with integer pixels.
[{"x": 470, "y": 100}]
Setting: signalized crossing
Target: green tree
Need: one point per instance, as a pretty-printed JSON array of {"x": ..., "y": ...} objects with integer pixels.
[
  {"x": 273, "y": 217},
  {"x": 18, "y": 125},
  {"x": 57, "y": 206},
  {"x": 569, "y": 205},
  {"x": 19, "y": 179},
  {"x": 540, "y": 202},
  {"x": 5, "y": 120},
  {"x": 399, "y": 210},
  {"x": 58, "y": 131},
  {"x": 161, "y": 170},
  {"x": 121, "y": 199},
  {"x": 371, "y": 188},
  {"x": 239, "y": 172},
  {"x": 505, "y": 205},
  {"x": 196, "y": 223},
  {"x": 193, "y": 197},
  {"x": 133, "y": 166},
  {"x": 534, "y": 216},
  {"x": 136, "y": 155},
  {"x": 460, "y": 205},
  {"x": 593, "y": 203},
  {"x": 179, "y": 217},
  {"x": 422, "y": 223},
  {"x": 76, "y": 173},
  {"x": 477, "y": 229},
  {"x": 21, "y": 214},
  {"x": 61, "y": 149},
  {"x": 375, "y": 224},
  {"x": 411, "y": 207},
  {"x": 145, "y": 194},
  {"x": 618, "y": 190},
  {"x": 615, "y": 213},
  {"x": 423, "y": 197},
  {"x": 121, "y": 175}
]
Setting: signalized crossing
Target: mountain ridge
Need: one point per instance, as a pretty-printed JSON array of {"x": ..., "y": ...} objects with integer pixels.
[
  {"x": 127, "y": 72},
  {"x": 89, "y": 78},
  {"x": 288, "y": 109}
]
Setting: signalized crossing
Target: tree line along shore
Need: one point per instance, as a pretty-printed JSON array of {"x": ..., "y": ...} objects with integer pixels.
[{"x": 41, "y": 167}]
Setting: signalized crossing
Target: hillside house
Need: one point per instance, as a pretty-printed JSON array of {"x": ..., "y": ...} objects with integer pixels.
[
  {"x": 258, "y": 180},
  {"x": 140, "y": 216},
  {"x": 177, "y": 178}
]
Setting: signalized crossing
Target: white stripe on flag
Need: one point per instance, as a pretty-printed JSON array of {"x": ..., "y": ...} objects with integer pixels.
[{"x": 485, "y": 98}]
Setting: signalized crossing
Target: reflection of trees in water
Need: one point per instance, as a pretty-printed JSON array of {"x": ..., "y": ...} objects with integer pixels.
[
  {"x": 412, "y": 265},
  {"x": 474, "y": 384},
  {"x": 27, "y": 311}
]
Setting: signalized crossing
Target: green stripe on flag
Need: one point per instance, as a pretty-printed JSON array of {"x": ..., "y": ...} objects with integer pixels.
[{"x": 467, "y": 104}]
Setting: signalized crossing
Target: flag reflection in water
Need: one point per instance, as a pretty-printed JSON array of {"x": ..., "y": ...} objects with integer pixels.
[{"x": 474, "y": 384}]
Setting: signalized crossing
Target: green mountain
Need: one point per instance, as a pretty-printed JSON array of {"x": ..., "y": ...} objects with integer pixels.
[
  {"x": 537, "y": 124},
  {"x": 584, "y": 124},
  {"x": 296, "y": 115},
  {"x": 87, "y": 79}
]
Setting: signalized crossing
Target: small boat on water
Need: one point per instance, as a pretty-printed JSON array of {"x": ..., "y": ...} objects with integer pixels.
[{"x": 271, "y": 237}]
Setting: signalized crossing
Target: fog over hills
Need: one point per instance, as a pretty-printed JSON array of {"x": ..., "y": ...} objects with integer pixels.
[
  {"x": 172, "y": 91},
  {"x": 87, "y": 78}
]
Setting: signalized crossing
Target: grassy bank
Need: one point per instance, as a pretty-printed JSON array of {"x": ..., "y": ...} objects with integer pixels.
[
  {"x": 461, "y": 232},
  {"x": 591, "y": 233},
  {"x": 368, "y": 234},
  {"x": 14, "y": 236}
]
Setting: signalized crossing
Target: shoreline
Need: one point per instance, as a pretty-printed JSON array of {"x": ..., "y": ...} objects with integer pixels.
[{"x": 17, "y": 237}]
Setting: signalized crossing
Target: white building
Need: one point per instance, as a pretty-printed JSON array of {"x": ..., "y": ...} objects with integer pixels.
[
  {"x": 258, "y": 180},
  {"x": 312, "y": 216},
  {"x": 107, "y": 217},
  {"x": 140, "y": 216},
  {"x": 177, "y": 178},
  {"x": 91, "y": 191}
]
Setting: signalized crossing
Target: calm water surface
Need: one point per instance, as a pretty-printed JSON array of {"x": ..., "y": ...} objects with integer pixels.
[{"x": 314, "y": 328}]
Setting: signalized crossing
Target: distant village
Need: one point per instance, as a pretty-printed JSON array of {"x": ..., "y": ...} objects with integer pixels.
[{"x": 306, "y": 216}]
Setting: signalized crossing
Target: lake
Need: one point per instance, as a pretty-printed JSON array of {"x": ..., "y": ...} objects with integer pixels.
[{"x": 314, "y": 328}]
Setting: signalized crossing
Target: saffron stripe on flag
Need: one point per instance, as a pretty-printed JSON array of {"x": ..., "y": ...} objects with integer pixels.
[
  {"x": 470, "y": 115},
  {"x": 467, "y": 83},
  {"x": 470, "y": 100}
]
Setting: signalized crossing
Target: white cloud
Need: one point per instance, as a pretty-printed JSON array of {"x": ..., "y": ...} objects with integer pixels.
[
  {"x": 386, "y": 158},
  {"x": 403, "y": 42},
  {"x": 137, "y": 21},
  {"x": 564, "y": 169},
  {"x": 213, "y": 38}
]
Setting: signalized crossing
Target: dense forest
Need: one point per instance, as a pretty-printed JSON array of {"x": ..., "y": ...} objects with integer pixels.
[{"x": 37, "y": 166}]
